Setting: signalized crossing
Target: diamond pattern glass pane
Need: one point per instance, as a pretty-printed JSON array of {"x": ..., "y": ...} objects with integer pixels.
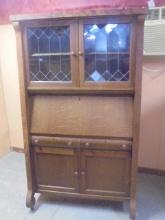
[
  {"x": 49, "y": 53},
  {"x": 107, "y": 49}
]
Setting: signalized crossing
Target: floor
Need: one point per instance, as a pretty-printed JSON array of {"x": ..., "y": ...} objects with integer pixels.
[{"x": 151, "y": 199}]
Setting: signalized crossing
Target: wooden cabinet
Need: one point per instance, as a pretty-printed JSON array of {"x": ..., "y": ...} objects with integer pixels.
[
  {"x": 87, "y": 166},
  {"x": 80, "y": 80}
]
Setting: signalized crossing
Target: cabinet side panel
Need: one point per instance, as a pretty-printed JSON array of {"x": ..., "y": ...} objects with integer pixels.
[
  {"x": 82, "y": 116},
  {"x": 137, "y": 109},
  {"x": 25, "y": 106}
]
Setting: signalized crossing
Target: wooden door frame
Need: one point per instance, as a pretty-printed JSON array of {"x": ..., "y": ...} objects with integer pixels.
[
  {"x": 108, "y": 85},
  {"x": 73, "y": 50}
]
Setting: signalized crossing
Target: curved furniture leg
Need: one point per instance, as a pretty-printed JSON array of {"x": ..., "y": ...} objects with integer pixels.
[
  {"x": 30, "y": 200},
  {"x": 133, "y": 209}
]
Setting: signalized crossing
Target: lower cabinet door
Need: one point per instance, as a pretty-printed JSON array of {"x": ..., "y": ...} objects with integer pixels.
[
  {"x": 56, "y": 169},
  {"x": 105, "y": 172}
]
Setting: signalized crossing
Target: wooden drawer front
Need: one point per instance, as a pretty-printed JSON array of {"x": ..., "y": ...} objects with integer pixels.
[
  {"x": 105, "y": 172},
  {"x": 87, "y": 143},
  {"x": 92, "y": 143},
  {"x": 56, "y": 169},
  {"x": 103, "y": 144},
  {"x": 55, "y": 141},
  {"x": 123, "y": 145}
]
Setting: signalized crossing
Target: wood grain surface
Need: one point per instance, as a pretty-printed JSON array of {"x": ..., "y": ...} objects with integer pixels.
[{"x": 82, "y": 116}]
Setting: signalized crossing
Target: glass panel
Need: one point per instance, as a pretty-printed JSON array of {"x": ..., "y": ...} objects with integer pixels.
[
  {"x": 49, "y": 53},
  {"x": 107, "y": 48}
]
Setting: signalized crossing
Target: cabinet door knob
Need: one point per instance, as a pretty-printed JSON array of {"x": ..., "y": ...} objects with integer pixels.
[
  {"x": 86, "y": 144},
  {"x": 73, "y": 53},
  {"x": 80, "y": 53},
  {"x": 124, "y": 146},
  {"x": 36, "y": 141},
  {"x": 69, "y": 143},
  {"x": 76, "y": 173},
  {"x": 82, "y": 173}
]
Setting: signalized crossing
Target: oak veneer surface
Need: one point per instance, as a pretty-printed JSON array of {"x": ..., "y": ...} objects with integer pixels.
[
  {"x": 101, "y": 167},
  {"x": 56, "y": 168},
  {"x": 82, "y": 115}
]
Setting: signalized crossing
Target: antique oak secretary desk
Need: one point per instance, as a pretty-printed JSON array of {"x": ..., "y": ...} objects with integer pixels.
[{"x": 80, "y": 83}]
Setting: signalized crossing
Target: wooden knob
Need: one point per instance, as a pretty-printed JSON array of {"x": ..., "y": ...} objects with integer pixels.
[
  {"x": 87, "y": 144},
  {"x": 75, "y": 173},
  {"x": 73, "y": 53},
  {"x": 82, "y": 173},
  {"x": 69, "y": 143},
  {"x": 80, "y": 53},
  {"x": 36, "y": 141},
  {"x": 124, "y": 146}
]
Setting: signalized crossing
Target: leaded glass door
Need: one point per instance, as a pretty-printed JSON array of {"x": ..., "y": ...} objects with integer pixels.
[
  {"x": 52, "y": 49},
  {"x": 105, "y": 53}
]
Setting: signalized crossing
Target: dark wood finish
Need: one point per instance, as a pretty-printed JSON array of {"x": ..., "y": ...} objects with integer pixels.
[
  {"x": 105, "y": 172},
  {"x": 38, "y": 90},
  {"x": 82, "y": 116},
  {"x": 51, "y": 190},
  {"x": 82, "y": 140},
  {"x": 105, "y": 144},
  {"x": 55, "y": 141},
  {"x": 126, "y": 146},
  {"x": 83, "y": 143},
  {"x": 137, "y": 111},
  {"x": 30, "y": 200},
  {"x": 57, "y": 167}
]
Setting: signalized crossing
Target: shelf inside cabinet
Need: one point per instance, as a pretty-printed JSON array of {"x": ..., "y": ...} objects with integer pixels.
[
  {"x": 108, "y": 53},
  {"x": 50, "y": 54}
]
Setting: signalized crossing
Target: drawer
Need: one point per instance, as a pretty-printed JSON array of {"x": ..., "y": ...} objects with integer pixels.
[
  {"x": 55, "y": 141},
  {"x": 88, "y": 143},
  {"x": 105, "y": 144},
  {"x": 119, "y": 144},
  {"x": 84, "y": 143}
]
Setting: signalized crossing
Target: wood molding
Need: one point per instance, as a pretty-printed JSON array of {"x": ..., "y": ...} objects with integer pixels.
[
  {"x": 151, "y": 171},
  {"x": 17, "y": 149}
]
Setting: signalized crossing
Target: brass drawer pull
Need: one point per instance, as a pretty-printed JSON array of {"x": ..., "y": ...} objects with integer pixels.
[
  {"x": 124, "y": 146},
  {"x": 70, "y": 143},
  {"x": 80, "y": 53},
  {"x": 86, "y": 144},
  {"x": 83, "y": 173},
  {"x": 73, "y": 53},
  {"x": 76, "y": 173},
  {"x": 36, "y": 141}
]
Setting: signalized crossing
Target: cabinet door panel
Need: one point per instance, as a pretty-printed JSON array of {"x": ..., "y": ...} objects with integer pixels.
[
  {"x": 105, "y": 172},
  {"x": 106, "y": 48},
  {"x": 51, "y": 53},
  {"x": 56, "y": 169}
]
